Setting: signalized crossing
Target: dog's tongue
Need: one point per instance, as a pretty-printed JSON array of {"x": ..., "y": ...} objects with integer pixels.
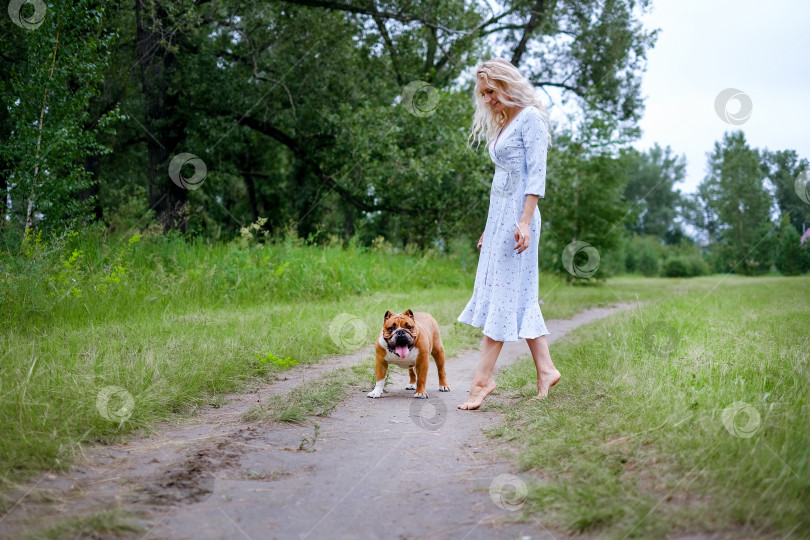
[{"x": 402, "y": 351}]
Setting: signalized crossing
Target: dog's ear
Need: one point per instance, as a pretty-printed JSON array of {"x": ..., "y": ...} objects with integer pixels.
[
  {"x": 387, "y": 314},
  {"x": 409, "y": 313}
]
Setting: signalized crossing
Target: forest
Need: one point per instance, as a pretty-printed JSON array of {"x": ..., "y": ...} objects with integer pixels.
[{"x": 350, "y": 121}]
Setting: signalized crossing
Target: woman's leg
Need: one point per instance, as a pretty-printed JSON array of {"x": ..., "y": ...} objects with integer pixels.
[
  {"x": 483, "y": 382},
  {"x": 547, "y": 374}
]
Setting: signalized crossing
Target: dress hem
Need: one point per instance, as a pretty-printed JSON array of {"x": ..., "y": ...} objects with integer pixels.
[{"x": 504, "y": 340}]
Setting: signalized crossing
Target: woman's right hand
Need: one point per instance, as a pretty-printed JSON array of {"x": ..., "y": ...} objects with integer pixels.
[{"x": 481, "y": 241}]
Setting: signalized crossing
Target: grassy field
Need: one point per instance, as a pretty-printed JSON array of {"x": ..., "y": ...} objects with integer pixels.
[
  {"x": 692, "y": 411},
  {"x": 147, "y": 328},
  {"x": 143, "y": 328}
]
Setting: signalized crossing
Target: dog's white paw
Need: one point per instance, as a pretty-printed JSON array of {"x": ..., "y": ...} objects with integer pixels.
[
  {"x": 375, "y": 393},
  {"x": 411, "y": 387},
  {"x": 444, "y": 389},
  {"x": 420, "y": 395}
]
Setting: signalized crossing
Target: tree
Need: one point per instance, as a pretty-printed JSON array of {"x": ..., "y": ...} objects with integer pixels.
[
  {"x": 735, "y": 192},
  {"x": 793, "y": 258},
  {"x": 51, "y": 73},
  {"x": 650, "y": 189},
  {"x": 783, "y": 168},
  {"x": 583, "y": 196},
  {"x": 696, "y": 210},
  {"x": 295, "y": 107},
  {"x": 374, "y": 52},
  {"x": 593, "y": 49}
]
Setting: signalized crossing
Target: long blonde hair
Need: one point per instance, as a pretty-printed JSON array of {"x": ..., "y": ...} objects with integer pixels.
[{"x": 515, "y": 89}]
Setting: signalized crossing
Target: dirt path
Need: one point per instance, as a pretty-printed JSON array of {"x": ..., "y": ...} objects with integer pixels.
[{"x": 394, "y": 467}]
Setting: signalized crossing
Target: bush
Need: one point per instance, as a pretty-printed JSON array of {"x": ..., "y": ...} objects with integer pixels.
[
  {"x": 676, "y": 267},
  {"x": 697, "y": 266},
  {"x": 649, "y": 263},
  {"x": 792, "y": 258},
  {"x": 687, "y": 263},
  {"x": 644, "y": 254},
  {"x": 648, "y": 256}
]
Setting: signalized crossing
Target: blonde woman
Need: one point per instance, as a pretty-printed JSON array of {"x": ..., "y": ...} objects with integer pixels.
[{"x": 505, "y": 296}]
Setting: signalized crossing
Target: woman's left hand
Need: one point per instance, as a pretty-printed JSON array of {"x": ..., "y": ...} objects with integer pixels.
[{"x": 522, "y": 237}]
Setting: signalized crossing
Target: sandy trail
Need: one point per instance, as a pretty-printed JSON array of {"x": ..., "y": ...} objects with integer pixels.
[{"x": 394, "y": 467}]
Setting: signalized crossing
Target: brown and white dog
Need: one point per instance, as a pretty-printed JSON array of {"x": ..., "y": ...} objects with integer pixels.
[{"x": 407, "y": 339}]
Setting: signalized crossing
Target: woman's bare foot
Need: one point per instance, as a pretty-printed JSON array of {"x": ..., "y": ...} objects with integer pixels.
[
  {"x": 545, "y": 382},
  {"x": 477, "y": 395}
]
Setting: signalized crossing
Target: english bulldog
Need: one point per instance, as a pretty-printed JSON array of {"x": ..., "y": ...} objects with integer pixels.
[{"x": 407, "y": 339}]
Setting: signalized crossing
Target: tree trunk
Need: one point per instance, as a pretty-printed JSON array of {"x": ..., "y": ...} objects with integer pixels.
[
  {"x": 250, "y": 184},
  {"x": 538, "y": 17},
  {"x": 304, "y": 207},
  {"x": 164, "y": 128},
  {"x": 348, "y": 224}
]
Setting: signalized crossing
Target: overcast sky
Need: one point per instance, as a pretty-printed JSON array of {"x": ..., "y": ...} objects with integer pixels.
[{"x": 705, "y": 46}]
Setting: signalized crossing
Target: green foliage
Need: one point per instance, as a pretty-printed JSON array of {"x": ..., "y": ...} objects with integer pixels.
[
  {"x": 650, "y": 187},
  {"x": 419, "y": 167},
  {"x": 644, "y": 255},
  {"x": 676, "y": 267},
  {"x": 310, "y": 130},
  {"x": 783, "y": 168},
  {"x": 54, "y": 72},
  {"x": 584, "y": 193},
  {"x": 312, "y": 133},
  {"x": 272, "y": 361},
  {"x": 648, "y": 256},
  {"x": 689, "y": 265},
  {"x": 734, "y": 192},
  {"x": 50, "y": 275},
  {"x": 697, "y": 265},
  {"x": 793, "y": 258}
]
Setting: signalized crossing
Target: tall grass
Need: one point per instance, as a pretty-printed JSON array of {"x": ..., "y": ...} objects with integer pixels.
[
  {"x": 642, "y": 438},
  {"x": 97, "y": 277}
]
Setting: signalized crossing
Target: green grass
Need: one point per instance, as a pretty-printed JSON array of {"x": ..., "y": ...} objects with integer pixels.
[
  {"x": 171, "y": 364},
  {"x": 175, "y": 325},
  {"x": 103, "y": 524},
  {"x": 633, "y": 443}
]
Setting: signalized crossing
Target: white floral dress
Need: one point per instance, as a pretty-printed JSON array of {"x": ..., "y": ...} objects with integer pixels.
[{"x": 505, "y": 296}]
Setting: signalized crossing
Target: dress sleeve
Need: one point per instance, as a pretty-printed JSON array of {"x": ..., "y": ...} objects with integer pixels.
[{"x": 535, "y": 139}]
